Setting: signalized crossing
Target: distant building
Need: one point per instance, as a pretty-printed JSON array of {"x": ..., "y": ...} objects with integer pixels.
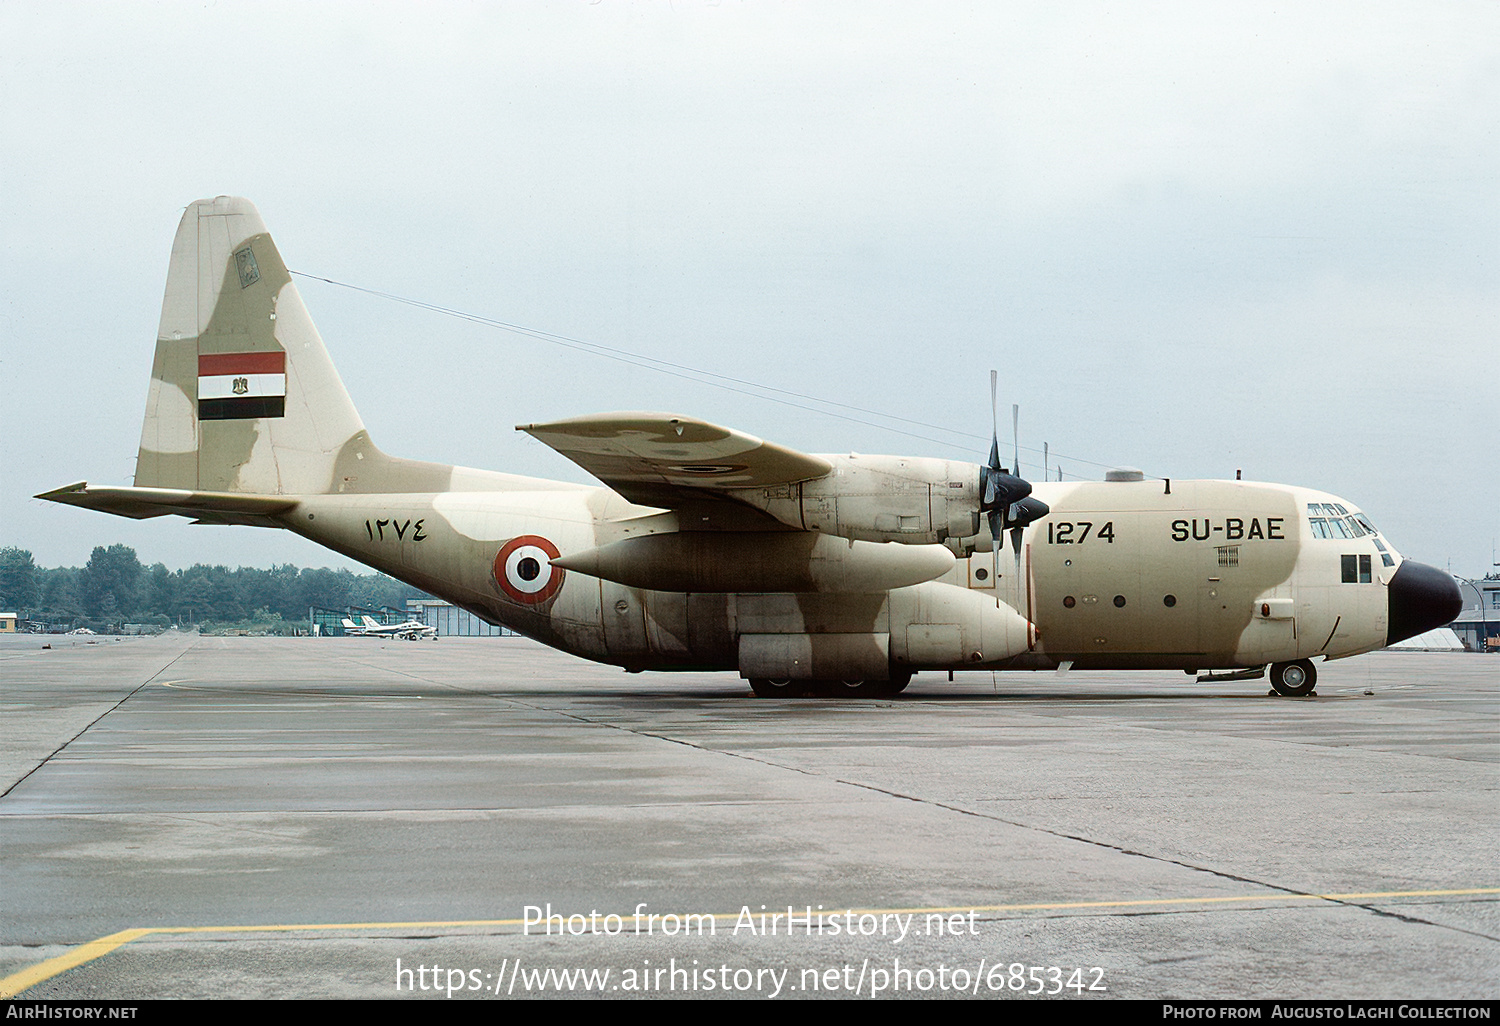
[
  {"x": 7, "y": 623},
  {"x": 451, "y": 621},
  {"x": 1441, "y": 639},
  {"x": 1478, "y": 626},
  {"x": 326, "y": 623}
]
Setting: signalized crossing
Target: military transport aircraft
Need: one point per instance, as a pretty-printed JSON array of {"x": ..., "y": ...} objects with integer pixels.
[{"x": 710, "y": 549}]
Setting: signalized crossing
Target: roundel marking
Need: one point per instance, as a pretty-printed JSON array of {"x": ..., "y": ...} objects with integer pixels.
[{"x": 524, "y": 570}]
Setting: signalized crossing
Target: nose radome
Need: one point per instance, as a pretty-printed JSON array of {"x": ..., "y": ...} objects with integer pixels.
[{"x": 1419, "y": 598}]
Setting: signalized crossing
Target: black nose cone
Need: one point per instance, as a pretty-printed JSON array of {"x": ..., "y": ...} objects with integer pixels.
[{"x": 1419, "y": 598}]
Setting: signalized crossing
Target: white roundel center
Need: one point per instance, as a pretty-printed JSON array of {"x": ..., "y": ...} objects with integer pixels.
[{"x": 527, "y": 569}]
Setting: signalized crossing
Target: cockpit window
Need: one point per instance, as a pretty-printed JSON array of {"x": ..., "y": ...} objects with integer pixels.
[{"x": 1331, "y": 520}]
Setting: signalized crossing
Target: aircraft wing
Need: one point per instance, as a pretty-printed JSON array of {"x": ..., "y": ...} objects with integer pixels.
[{"x": 672, "y": 462}]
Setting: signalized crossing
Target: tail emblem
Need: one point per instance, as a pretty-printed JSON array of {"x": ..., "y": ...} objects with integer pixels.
[
  {"x": 244, "y": 262},
  {"x": 241, "y": 386}
]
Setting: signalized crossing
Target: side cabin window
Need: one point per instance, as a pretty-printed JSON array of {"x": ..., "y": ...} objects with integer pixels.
[{"x": 1356, "y": 569}]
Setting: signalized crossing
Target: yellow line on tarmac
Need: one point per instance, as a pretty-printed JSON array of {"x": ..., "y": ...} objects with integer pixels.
[
  {"x": 17, "y": 982},
  {"x": 12, "y": 985},
  {"x": 422, "y": 924}
]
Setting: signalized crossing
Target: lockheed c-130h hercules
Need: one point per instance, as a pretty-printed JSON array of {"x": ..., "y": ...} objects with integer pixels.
[{"x": 709, "y": 549}]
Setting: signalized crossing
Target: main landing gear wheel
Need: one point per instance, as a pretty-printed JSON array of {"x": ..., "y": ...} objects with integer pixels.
[
  {"x": 869, "y": 688},
  {"x": 1294, "y": 679},
  {"x": 860, "y": 689},
  {"x": 777, "y": 688}
]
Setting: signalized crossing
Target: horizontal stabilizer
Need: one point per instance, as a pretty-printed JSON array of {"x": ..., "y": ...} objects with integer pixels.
[{"x": 203, "y": 507}]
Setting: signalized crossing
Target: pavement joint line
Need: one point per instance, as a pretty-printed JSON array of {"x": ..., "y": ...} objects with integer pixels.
[
  {"x": 961, "y": 810},
  {"x": 133, "y": 692},
  {"x": 15, "y": 983}
]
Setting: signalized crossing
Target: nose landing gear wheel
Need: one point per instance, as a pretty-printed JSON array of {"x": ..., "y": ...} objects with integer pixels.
[{"x": 1294, "y": 679}]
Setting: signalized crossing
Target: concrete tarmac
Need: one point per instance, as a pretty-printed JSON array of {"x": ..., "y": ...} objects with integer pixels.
[{"x": 261, "y": 817}]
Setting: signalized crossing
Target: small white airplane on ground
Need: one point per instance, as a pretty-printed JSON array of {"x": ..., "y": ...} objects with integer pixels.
[
  {"x": 710, "y": 549},
  {"x": 369, "y": 627}
]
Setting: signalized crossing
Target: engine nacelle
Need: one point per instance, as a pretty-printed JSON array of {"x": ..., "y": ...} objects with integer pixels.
[{"x": 905, "y": 499}]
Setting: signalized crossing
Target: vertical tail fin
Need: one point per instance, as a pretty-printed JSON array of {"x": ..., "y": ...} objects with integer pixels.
[
  {"x": 244, "y": 397},
  {"x": 245, "y": 412}
]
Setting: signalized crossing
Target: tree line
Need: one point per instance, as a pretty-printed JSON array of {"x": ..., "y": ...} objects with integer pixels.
[{"x": 114, "y": 588}]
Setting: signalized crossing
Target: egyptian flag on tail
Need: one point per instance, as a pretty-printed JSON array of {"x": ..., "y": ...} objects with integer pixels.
[{"x": 241, "y": 386}]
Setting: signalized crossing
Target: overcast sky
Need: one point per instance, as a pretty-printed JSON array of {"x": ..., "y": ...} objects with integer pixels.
[{"x": 1192, "y": 237}]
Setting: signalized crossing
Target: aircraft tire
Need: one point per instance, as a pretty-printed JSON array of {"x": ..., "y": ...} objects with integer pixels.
[
  {"x": 869, "y": 688},
  {"x": 860, "y": 688},
  {"x": 778, "y": 688},
  {"x": 1294, "y": 679}
]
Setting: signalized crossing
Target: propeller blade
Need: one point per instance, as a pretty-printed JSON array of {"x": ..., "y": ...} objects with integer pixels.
[
  {"x": 994, "y": 408},
  {"x": 997, "y": 536},
  {"x": 994, "y": 422},
  {"x": 1015, "y": 437}
]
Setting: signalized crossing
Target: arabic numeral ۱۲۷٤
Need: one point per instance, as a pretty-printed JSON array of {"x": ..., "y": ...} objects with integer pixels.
[{"x": 376, "y": 529}]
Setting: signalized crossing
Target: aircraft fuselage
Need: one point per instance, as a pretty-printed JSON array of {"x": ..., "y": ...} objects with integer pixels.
[{"x": 1190, "y": 575}]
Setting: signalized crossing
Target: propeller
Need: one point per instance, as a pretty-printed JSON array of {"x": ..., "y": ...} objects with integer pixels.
[{"x": 1005, "y": 497}]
